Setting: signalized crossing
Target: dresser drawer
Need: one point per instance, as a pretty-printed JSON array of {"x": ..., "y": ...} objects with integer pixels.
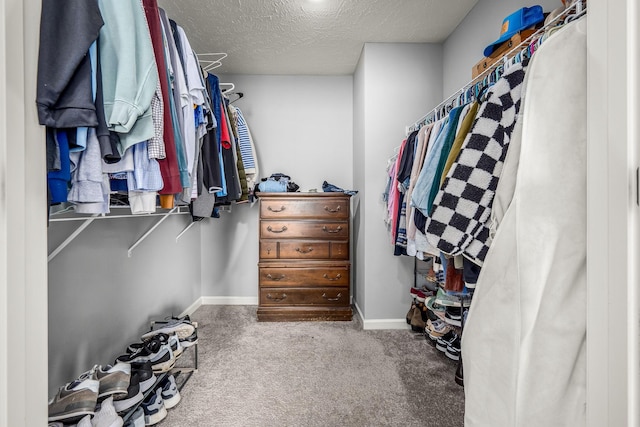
[
  {"x": 303, "y": 249},
  {"x": 294, "y": 249},
  {"x": 307, "y": 229},
  {"x": 304, "y": 296},
  {"x": 326, "y": 207},
  {"x": 303, "y": 276}
]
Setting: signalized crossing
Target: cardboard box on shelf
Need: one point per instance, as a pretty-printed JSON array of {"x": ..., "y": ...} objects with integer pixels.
[{"x": 488, "y": 62}]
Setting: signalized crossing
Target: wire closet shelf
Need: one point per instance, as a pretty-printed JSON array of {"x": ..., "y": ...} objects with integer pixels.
[{"x": 470, "y": 90}]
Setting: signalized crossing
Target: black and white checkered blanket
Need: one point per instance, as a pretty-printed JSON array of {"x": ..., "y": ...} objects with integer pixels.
[{"x": 458, "y": 221}]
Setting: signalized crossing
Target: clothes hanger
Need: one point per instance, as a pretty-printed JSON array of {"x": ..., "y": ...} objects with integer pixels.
[
  {"x": 211, "y": 64},
  {"x": 231, "y": 88}
]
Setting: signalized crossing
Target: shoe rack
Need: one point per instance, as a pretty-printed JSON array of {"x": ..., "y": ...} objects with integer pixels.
[
  {"x": 178, "y": 371},
  {"x": 175, "y": 371}
]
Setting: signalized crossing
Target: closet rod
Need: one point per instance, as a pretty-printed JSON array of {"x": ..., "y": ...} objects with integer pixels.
[{"x": 580, "y": 9}]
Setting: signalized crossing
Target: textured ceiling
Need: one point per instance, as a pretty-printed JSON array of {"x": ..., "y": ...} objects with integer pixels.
[{"x": 308, "y": 36}]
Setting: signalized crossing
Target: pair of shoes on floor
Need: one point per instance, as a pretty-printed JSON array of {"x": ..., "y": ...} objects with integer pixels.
[
  {"x": 158, "y": 352},
  {"x": 449, "y": 344},
  {"x": 182, "y": 327},
  {"x": 104, "y": 416},
  {"x": 435, "y": 329},
  {"x": 78, "y": 399},
  {"x": 155, "y": 406}
]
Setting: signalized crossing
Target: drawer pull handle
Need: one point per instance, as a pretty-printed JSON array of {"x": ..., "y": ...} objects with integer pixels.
[
  {"x": 282, "y": 230},
  {"x": 332, "y": 299},
  {"x": 302, "y": 251},
  {"x": 276, "y": 210},
  {"x": 328, "y": 209},
  {"x": 276, "y": 298},
  {"x": 338, "y": 276},
  {"x": 277, "y": 279},
  {"x": 326, "y": 230}
]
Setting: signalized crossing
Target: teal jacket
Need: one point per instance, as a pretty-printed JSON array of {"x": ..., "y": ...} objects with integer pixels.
[{"x": 129, "y": 71}]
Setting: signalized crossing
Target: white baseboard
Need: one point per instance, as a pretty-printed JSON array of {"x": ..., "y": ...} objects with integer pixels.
[
  {"x": 371, "y": 324},
  {"x": 193, "y": 307},
  {"x": 229, "y": 300}
]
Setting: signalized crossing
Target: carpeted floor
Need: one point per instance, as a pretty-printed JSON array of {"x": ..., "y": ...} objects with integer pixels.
[{"x": 313, "y": 374}]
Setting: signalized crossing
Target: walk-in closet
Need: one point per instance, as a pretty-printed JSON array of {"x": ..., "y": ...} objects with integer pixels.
[{"x": 329, "y": 303}]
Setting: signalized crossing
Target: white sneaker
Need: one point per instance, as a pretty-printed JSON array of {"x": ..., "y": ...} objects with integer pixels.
[
  {"x": 154, "y": 409},
  {"x": 106, "y": 415},
  {"x": 181, "y": 327},
  {"x": 170, "y": 393},
  {"x": 75, "y": 399}
]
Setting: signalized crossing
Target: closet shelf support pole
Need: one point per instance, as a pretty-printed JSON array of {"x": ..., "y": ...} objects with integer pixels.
[
  {"x": 151, "y": 230},
  {"x": 185, "y": 230},
  {"x": 69, "y": 239}
]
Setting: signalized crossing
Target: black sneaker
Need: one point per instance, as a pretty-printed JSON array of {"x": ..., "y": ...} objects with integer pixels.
[
  {"x": 155, "y": 342},
  {"x": 453, "y": 316},
  {"x": 443, "y": 342},
  {"x": 453, "y": 349},
  {"x": 133, "y": 396},
  {"x": 146, "y": 377},
  {"x": 161, "y": 360}
]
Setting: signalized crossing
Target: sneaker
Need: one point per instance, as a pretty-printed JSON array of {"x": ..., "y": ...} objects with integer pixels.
[
  {"x": 156, "y": 341},
  {"x": 434, "y": 307},
  {"x": 146, "y": 377},
  {"x": 453, "y": 316},
  {"x": 75, "y": 400},
  {"x": 133, "y": 396},
  {"x": 449, "y": 300},
  {"x": 113, "y": 379},
  {"x": 154, "y": 410},
  {"x": 162, "y": 358},
  {"x": 437, "y": 329},
  {"x": 453, "y": 349},
  {"x": 170, "y": 393},
  {"x": 181, "y": 327},
  {"x": 136, "y": 419},
  {"x": 444, "y": 341},
  {"x": 106, "y": 415},
  {"x": 189, "y": 341}
]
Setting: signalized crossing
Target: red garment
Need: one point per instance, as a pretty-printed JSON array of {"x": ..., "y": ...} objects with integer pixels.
[
  {"x": 225, "y": 138},
  {"x": 169, "y": 165}
]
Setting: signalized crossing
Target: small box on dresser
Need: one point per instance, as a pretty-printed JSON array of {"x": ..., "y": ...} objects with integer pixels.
[{"x": 304, "y": 267}]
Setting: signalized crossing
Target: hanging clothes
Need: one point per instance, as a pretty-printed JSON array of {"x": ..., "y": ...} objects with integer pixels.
[
  {"x": 129, "y": 71},
  {"x": 168, "y": 165},
  {"x": 64, "y": 91},
  {"x": 461, "y": 209},
  {"x": 529, "y": 303}
]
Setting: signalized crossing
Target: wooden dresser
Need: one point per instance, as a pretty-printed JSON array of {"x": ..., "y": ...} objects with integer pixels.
[{"x": 304, "y": 268}]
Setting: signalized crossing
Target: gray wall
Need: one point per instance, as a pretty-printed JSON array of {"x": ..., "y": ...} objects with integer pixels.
[
  {"x": 100, "y": 300},
  {"x": 302, "y": 126},
  {"x": 401, "y": 80},
  {"x": 464, "y": 47},
  {"x": 358, "y": 238}
]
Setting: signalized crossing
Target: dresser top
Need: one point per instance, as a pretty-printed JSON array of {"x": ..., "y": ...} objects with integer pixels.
[{"x": 300, "y": 194}]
